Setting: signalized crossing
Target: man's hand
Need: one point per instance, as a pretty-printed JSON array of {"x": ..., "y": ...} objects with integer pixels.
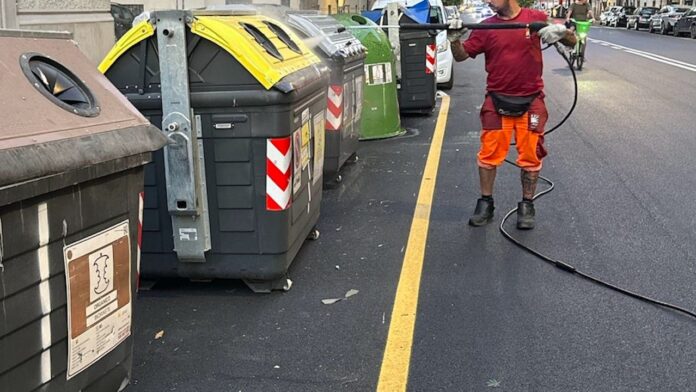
[
  {"x": 455, "y": 30},
  {"x": 552, "y": 33}
]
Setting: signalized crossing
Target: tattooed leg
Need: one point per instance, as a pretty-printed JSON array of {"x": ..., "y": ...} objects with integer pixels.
[{"x": 529, "y": 183}]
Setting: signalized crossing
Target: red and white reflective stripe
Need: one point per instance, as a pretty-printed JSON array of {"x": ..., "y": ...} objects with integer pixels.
[
  {"x": 141, "y": 205},
  {"x": 429, "y": 59},
  {"x": 334, "y": 108},
  {"x": 278, "y": 173}
]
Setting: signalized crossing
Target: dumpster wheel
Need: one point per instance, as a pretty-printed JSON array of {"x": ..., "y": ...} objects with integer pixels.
[
  {"x": 266, "y": 286},
  {"x": 314, "y": 234},
  {"x": 353, "y": 159},
  {"x": 334, "y": 182}
]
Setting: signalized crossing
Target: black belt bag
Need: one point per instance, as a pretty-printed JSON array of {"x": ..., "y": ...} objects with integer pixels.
[{"x": 508, "y": 105}]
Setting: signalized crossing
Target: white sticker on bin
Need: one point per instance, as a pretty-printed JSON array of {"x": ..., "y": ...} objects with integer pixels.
[
  {"x": 98, "y": 288},
  {"x": 188, "y": 234}
]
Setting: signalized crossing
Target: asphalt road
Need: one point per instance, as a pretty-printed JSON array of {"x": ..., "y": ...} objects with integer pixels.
[
  {"x": 623, "y": 167},
  {"x": 488, "y": 313}
]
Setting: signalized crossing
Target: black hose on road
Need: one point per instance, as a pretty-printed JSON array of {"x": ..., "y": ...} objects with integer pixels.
[{"x": 560, "y": 263}]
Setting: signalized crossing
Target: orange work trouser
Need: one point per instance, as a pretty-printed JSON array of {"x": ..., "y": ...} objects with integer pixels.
[{"x": 497, "y": 132}]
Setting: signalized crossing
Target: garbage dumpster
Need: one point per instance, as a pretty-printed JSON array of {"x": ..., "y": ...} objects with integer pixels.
[
  {"x": 238, "y": 190},
  {"x": 418, "y": 69},
  {"x": 380, "y": 112},
  {"x": 345, "y": 56},
  {"x": 72, "y": 152},
  {"x": 416, "y": 57}
]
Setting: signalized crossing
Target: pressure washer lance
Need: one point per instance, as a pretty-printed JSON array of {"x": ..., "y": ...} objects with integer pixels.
[{"x": 533, "y": 27}]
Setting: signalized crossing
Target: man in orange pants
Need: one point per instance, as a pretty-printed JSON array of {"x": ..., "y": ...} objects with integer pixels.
[{"x": 514, "y": 102}]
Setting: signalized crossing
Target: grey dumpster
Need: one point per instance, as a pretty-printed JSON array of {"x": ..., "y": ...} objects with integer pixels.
[
  {"x": 345, "y": 56},
  {"x": 72, "y": 152},
  {"x": 418, "y": 83},
  {"x": 243, "y": 99},
  {"x": 417, "y": 56}
]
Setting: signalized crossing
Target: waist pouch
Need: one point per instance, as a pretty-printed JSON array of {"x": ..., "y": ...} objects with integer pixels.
[{"x": 512, "y": 106}]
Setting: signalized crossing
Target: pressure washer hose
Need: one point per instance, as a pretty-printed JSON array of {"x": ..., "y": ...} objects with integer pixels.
[
  {"x": 534, "y": 27},
  {"x": 560, "y": 263}
]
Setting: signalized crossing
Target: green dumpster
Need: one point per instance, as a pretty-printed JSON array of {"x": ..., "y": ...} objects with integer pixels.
[{"x": 380, "y": 115}]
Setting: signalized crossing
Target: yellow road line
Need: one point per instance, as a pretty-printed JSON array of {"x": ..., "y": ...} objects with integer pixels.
[{"x": 393, "y": 375}]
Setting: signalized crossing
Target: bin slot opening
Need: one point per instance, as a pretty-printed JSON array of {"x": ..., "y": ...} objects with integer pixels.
[
  {"x": 262, "y": 40},
  {"x": 359, "y": 19},
  {"x": 181, "y": 204},
  {"x": 284, "y": 36},
  {"x": 59, "y": 85}
]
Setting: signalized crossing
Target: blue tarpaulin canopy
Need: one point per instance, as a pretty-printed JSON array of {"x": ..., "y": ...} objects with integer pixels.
[
  {"x": 373, "y": 15},
  {"x": 419, "y": 12}
]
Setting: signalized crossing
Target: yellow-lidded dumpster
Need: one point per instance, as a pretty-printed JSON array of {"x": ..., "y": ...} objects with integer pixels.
[
  {"x": 72, "y": 152},
  {"x": 243, "y": 102}
]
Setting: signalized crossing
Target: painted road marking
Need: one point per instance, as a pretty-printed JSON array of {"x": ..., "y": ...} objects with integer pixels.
[
  {"x": 393, "y": 375},
  {"x": 648, "y": 55}
]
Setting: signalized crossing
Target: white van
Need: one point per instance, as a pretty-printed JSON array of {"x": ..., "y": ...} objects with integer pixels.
[{"x": 445, "y": 59}]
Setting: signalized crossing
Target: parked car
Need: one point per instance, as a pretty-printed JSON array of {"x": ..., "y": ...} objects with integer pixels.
[
  {"x": 686, "y": 24},
  {"x": 452, "y": 12},
  {"x": 123, "y": 18},
  {"x": 641, "y": 17},
  {"x": 606, "y": 16},
  {"x": 665, "y": 19},
  {"x": 621, "y": 16},
  {"x": 481, "y": 13}
]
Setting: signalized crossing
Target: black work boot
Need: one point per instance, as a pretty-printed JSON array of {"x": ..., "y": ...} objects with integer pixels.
[
  {"x": 525, "y": 215},
  {"x": 483, "y": 213}
]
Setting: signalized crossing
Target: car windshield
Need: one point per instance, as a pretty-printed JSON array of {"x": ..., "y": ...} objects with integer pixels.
[
  {"x": 681, "y": 10},
  {"x": 649, "y": 11}
]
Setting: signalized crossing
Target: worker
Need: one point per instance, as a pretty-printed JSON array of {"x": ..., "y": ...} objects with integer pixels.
[{"x": 514, "y": 101}]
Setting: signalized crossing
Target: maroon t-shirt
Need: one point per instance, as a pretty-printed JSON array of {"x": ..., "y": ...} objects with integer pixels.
[{"x": 513, "y": 58}]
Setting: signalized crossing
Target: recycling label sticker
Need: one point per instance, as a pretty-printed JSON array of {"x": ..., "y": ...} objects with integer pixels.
[
  {"x": 380, "y": 73},
  {"x": 306, "y": 135},
  {"x": 358, "y": 97},
  {"x": 297, "y": 161},
  {"x": 98, "y": 282},
  {"x": 319, "y": 145}
]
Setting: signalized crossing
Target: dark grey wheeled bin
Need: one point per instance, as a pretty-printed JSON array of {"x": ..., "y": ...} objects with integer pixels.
[
  {"x": 418, "y": 83},
  {"x": 72, "y": 152},
  {"x": 345, "y": 56},
  {"x": 238, "y": 189}
]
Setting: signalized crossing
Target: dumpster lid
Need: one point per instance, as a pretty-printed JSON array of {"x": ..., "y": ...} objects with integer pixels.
[
  {"x": 334, "y": 39},
  {"x": 54, "y": 97},
  {"x": 35, "y": 34},
  {"x": 264, "y": 46},
  {"x": 226, "y": 10}
]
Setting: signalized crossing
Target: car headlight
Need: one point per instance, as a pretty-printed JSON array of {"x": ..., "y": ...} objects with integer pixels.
[{"x": 442, "y": 47}]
